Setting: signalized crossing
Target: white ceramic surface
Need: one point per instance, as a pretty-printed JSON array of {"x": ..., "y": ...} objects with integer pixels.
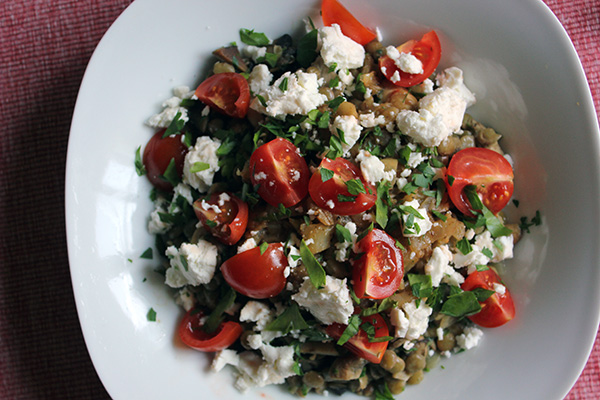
[{"x": 530, "y": 86}]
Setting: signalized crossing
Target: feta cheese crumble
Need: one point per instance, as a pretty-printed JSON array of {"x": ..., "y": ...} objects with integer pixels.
[
  {"x": 330, "y": 304},
  {"x": 339, "y": 49},
  {"x": 191, "y": 264},
  {"x": 300, "y": 96},
  {"x": 204, "y": 151}
]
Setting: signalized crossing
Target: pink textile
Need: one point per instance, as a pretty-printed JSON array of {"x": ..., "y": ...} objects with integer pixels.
[{"x": 44, "y": 49}]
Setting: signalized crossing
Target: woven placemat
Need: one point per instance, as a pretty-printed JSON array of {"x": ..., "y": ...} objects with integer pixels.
[{"x": 44, "y": 49}]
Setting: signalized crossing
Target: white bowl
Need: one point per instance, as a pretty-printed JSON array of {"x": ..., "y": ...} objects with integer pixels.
[{"x": 530, "y": 86}]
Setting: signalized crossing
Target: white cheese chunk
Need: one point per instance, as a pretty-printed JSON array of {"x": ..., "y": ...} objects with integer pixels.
[
  {"x": 439, "y": 268},
  {"x": 410, "y": 321},
  {"x": 469, "y": 338},
  {"x": 258, "y": 312},
  {"x": 171, "y": 107},
  {"x": 300, "y": 96},
  {"x": 351, "y": 129},
  {"x": 339, "y": 49},
  {"x": 330, "y": 304},
  {"x": 406, "y": 62},
  {"x": 373, "y": 169},
  {"x": 191, "y": 264},
  {"x": 424, "y": 224},
  {"x": 342, "y": 248},
  {"x": 260, "y": 78},
  {"x": 204, "y": 151}
]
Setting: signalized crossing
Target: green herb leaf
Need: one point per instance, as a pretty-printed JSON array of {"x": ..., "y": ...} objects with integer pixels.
[
  {"x": 335, "y": 103},
  {"x": 227, "y": 299},
  {"x": 461, "y": 305},
  {"x": 343, "y": 234},
  {"x": 306, "y": 52},
  {"x": 450, "y": 180},
  {"x": 494, "y": 225},
  {"x": 482, "y": 294},
  {"x": 284, "y": 84},
  {"x": 473, "y": 197},
  {"x": 252, "y": 38},
  {"x": 381, "y": 208},
  {"x": 355, "y": 187},
  {"x": 263, "y": 247},
  {"x": 439, "y": 215},
  {"x": 464, "y": 246},
  {"x": 289, "y": 320},
  {"x": 382, "y": 392},
  {"x": 151, "y": 315},
  {"x": 199, "y": 166},
  {"x": 487, "y": 252},
  {"x": 351, "y": 330},
  {"x": 147, "y": 254},
  {"x": 421, "y": 285},
  {"x": 140, "y": 168},
  {"x": 333, "y": 83},
  {"x": 171, "y": 175},
  {"x": 316, "y": 273},
  {"x": 326, "y": 174},
  {"x": 175, "y": 126},
  {"x": 481, "y": 267},
  {"x": 344, "y": 198}
]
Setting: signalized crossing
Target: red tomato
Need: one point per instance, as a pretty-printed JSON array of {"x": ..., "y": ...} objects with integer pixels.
[
  {"x": 227, "y": 93},
  {"x": 378, "y": 273},
  {"x": 489, "y": 171},
  {"x": 333, "y": 194},
  {"x": 280, "y": 171},
  {"x": 257, "y": 275},
  {"x": 359, "y": 344},
  {"x": 428, "y": 50},
  {"x": 224, "y": 215},
  {"x": 333, "y": 12},
  {"x": 158, "y": 153},
  {"x": 191, "y": 333},
  {"x": 498, "y": 309}
]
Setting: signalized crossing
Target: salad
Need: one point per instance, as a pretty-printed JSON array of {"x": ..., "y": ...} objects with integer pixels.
[{"x": 330, "y": 216}]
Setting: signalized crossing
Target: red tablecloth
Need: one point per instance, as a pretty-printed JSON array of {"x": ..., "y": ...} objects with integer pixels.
[{"x": 44, "y": 48}]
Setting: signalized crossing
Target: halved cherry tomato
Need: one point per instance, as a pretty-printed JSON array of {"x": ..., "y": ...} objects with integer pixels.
[
  {"x": 489, "y": 171},
  {"x": 498, "y": 309},
  {"x": 224, "y": 215},
  {"x": 378, "y": 272},
  {"x": 191, "y": 333},
  {"x": 257, "y": 275},
  {"x": 428, "y": 50},
  {"x": 333, "y": 12},
  {"x": 227, "y": 93},
  {"x": 158, "y": 153},
  {"x": 359, "y": 344},
  {"x": 333, "y": 194},
  {"x": 280, "y": 172}
]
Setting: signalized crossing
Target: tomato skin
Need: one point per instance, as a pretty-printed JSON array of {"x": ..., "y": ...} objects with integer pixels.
[
  {"x": 256, "y": 275},
  {"x": 227, "y": 93},
  {"x": 280, "y": 171},
  {"x": 378, "y": 273},
  {"x": 359, "y": 344},
  {"x": 157, "y": 156},
  {"x": 488, "y": 170},
  {"x": 229, "y": 224},
  {"x": 498, "y": 309},
  {"x": 333, "y": 12},
  {"x": 325, "y": 194},
  {"x": 193, "y": 336},
  {"x": 428, "y": 50}
]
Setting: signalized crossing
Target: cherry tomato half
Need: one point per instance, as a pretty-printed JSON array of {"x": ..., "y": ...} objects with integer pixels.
[
  {"x": 333, "y": 194},
  {"x": 488, "y": 170},
  {"x": 257, "y": 275},
  {"x": 428, "y": 50},
  {"x": 498, "y": 309},
  {"x": 158, "y": 154},
  {"x": 359, "y": 344},
  {"x": 378, "y": 272},
  {"x": 191, "y": 333},
  {"x": 333, "y": 12},
  {"x": 227, "y": 93},
  {"x": 280, "y": 171},
  {"x": 224, "y": 215}
]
